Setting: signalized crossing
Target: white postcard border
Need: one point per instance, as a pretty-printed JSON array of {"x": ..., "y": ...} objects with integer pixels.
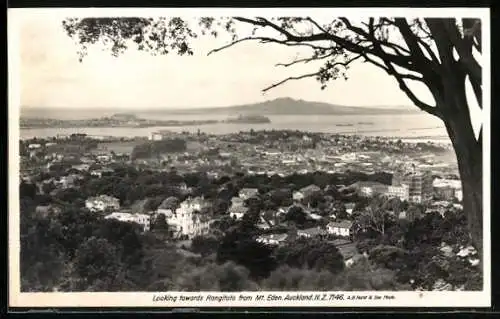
[{"x": 326, "y": 299}]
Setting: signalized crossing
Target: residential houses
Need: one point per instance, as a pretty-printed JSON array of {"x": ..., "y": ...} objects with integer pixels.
[
  {"x": 349, "y": 207},
  {"x": 102, "y": 203},
  {"x": 444, "y": 192},
  {"x": 187, "y": 219},
  {"x": 246, "y": 193},
  {"x": 67, "y": 181},
  {"x": 101, "y": 172},
  {"x": 311, "y": 232},
  {"x": 142, "y": 219},
  {"x": 272, "y": 239},
  {"x": 370, "y": 189},
  {"x": 81, "y": 167},
  {"x": 310, "y": 190},
  {"x": 45, "y": 210},
  {"x": 340, "y": 228},
  {"x": 237, "y": 211},
  {"x": 298, "y": 196},
  {"x": 446, "y": 186}
]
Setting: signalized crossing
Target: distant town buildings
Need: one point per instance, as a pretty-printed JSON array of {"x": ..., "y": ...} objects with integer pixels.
[
  {"x": 156, "y": 136},
  {"x": 370, "y": 189},
  {"x": 448, "y": 189}
]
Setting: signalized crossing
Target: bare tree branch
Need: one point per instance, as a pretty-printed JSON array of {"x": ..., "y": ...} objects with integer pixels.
[
  {"x": 465, "y": 53},
  {"x": 305, "y": 60},
  {"x": 266, "y": 40},
  {"x": 443, "y": 44},
  {"x": 332, "y": 66},
  {"x": 414, "y": 43},
  {"x": 370, "y": 36},
  {"x": 308, "y": 75},
  {"x": 404, "y": 87},
  {"x": 316, "y": 24},
  {"x": 400, "y": 60},
  {"x": 472, "y": 33}
]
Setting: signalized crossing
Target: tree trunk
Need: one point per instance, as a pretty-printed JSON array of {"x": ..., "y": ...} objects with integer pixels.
[{"x": 468, "y": 150}]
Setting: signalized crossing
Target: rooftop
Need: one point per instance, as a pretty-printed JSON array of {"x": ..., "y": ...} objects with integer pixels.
[
  {"x": 312, "y": 231},
  {"x": 341, "y": 224}
]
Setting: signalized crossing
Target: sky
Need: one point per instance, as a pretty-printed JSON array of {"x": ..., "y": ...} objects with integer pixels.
[{"x": 52, "y": 76}]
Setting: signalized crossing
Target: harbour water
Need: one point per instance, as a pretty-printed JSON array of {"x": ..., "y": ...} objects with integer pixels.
[{"x": 405, "y": 126}]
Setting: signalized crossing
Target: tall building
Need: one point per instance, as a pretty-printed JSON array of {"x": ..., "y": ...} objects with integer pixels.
[{"x": 419, "y": 184}]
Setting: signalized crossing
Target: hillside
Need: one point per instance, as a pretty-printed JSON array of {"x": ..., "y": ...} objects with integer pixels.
[{"x": 284, "y": 106}]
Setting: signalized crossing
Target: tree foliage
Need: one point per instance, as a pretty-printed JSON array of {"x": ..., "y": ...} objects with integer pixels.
[{"x": 314, "y": 254}]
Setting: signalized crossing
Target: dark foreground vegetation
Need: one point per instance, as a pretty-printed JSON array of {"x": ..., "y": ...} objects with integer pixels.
[{"x": 71, "y": 249}]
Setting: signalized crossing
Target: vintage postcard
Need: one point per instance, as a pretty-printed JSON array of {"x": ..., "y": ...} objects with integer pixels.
[{"x": 249, "y": 157}]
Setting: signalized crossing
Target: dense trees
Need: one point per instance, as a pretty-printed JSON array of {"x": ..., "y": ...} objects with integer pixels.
[
  {"x": 156, "y": 148},
  {"x": 296, "y": 215},
  {"x": 310, "y": 253},
  {"x": 374, "y": 216},
  {"x": 205, "y": 245},
  {"x": 240, "y": 246},
  {"x": 227, "y": 277},
  {"x": 75, "y": 250}
]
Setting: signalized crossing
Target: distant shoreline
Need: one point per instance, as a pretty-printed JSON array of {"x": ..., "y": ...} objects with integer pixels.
[{"x": 130, "y": 121}]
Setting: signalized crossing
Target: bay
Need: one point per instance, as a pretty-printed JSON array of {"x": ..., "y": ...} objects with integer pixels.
[{"x": 419, "y": 126}]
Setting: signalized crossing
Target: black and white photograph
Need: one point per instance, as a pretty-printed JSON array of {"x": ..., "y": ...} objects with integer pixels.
[{"x": 230, "y": 157}]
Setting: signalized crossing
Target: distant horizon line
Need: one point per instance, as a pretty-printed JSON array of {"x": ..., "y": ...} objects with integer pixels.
[{"x": 385, "y": 106}]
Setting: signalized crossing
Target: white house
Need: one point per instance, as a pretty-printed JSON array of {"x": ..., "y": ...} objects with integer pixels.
[
  {"x": 315, "y": 216},
  {"x": 349, "y": 157},
  {"x": 349, "y": 207},
  {"x": 310, "y": 232},
  {"x": 34, "y": 146},
  {"x": 298, "y": 196},
  {"x": 246, "y": 193},
  {"x": 156, "y": 136},
  {"x": 81, "y": 167},
  {"x": 102, "y": 203},
  {"x": 141, "y": 219},
  {"x": 342, "y": 228},
  {"x": 68, "y": 181},
  {"x": 237, "y": 212},
  {"x": 309, "y": 190},
  {"x": 187, "y": 219},
  {"x": 237, "y": 201},
  {"x": 272, "y": 239},
  {"x": 100, "y": 172}
]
